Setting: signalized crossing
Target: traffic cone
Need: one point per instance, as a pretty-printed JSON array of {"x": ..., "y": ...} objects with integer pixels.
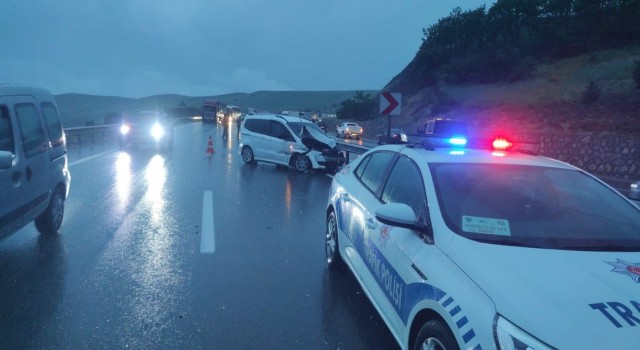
[{"x": 210, "y": 150}]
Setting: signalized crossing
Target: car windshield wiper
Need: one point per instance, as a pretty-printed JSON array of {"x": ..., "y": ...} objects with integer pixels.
[{"x": 602, "y": 248}]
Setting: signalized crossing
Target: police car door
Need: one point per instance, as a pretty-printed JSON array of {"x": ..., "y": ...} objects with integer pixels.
[{"x": 395, "y": 247}]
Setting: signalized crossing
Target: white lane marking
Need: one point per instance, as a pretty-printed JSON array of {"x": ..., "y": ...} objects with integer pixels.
[
  {"x": 207, "y": 230},
  {"x": 89, "y": 158}
]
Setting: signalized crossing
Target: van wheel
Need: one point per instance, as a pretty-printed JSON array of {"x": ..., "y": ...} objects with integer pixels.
[
  {"x": 435, "y": 335},
  {"x": 301, "y": 163},
  {"x": 49, "y": 222},
  {"x": 247, "y": 154}
]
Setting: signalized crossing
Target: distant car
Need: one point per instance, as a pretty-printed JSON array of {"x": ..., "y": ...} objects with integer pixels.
[
  {"x": 290, "y": 141},
  {"x": 397, "y": 136},
  {"x": 441, "y": 126},
  {"x": 349, "y": 129},
  {"x": 34, "y": 175},
  {"x": 147, "y": 128},
  {"x": 321, "y": 125}
]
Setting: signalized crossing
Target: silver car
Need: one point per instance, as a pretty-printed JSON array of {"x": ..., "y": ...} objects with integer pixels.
[{"x": 34, "y": 176}]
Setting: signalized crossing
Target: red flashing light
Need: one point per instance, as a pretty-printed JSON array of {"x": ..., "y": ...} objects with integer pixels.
[{"x": 501, "y": 144}]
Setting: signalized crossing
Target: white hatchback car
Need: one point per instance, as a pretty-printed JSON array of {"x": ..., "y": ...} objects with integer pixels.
[
  {"x": 34, "y": 177},
  {"x": 474, "y": 249},
  {"x": 290, "y": 141}
]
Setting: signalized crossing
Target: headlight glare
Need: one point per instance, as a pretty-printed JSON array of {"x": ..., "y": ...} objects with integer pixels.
[
  {"x": 124, "y": 129},
  {"x": 156, "y": 131},
  {"x": 510, "y": 337}
]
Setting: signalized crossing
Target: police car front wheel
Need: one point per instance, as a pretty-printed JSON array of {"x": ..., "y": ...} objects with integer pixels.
[
  {"x": 435, "y": 335},
  {"x": 334, "y": 260}
]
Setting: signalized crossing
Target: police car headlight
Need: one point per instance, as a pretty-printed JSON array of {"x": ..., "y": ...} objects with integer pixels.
[
  {"x": 156, "y": 131},
  {"x": 510, "y": 337}
]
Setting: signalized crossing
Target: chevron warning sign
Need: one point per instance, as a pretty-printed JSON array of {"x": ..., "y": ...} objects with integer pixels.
[{"x": 390, "y": 103}]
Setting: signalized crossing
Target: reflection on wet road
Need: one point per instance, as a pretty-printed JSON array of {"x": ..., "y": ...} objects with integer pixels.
[{"x": 126, "y": 270}]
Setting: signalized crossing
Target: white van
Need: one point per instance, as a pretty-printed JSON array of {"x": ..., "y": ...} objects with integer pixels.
[
  {"x": 34, "y": 175},
  {"x": 285, "y": 140}
]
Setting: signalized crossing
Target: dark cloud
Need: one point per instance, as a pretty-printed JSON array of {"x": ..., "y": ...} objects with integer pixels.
[{"x": 203, "y": 47}]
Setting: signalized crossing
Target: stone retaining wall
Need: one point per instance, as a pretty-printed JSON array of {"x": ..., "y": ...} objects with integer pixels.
[{"x": 603, "y": 154}]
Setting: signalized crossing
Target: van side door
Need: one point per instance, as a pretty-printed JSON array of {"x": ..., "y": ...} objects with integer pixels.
[{"x": 24, "y": 186}]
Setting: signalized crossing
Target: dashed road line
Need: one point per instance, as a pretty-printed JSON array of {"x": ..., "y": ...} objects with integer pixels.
[{"x": 207, "y": 234}]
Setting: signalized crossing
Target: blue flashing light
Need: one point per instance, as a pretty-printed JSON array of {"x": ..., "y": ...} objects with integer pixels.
[
  {"x": 457, "y": 153},
  {"x": 458, "y": 141}
]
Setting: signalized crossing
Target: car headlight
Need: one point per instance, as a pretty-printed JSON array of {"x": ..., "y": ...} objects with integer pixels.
[
  {"x": 124, "y": 129},
  {"x": 157, "y": 131},
  {"x": 510, "y": 337},
  {"x": 403, "y": 137}
]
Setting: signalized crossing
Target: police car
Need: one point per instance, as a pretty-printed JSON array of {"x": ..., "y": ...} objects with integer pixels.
[{"x": 487, "y": 249}]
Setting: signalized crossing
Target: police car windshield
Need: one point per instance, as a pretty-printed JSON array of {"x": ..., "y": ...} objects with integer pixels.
[
  {"x": 297, "y": 127},
  {"x": 534, "y": 206}
]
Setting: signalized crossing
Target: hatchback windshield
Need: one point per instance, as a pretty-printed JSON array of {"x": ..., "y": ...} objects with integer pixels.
[
  {"x": 297, "y": 127},
  {"x": 535, "y": 206}
]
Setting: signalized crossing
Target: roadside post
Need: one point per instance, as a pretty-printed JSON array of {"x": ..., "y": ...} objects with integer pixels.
[{"x": 390, "y": 105}]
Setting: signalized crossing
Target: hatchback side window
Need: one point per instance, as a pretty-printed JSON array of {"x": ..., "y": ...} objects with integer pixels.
[
  {"x": 6, "y": 131},
  {"x": 405, "y": 186},
  {"x": 54, "y": 127},
  {"x": 280, "y": 131},
  {"x": 33, "y": 139},
  {"x": 259, "y": 126},
  {"x": 374, "y": 170}
]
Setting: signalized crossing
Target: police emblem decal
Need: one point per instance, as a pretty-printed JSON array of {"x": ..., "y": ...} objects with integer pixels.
[
  {"x": 384, "y": 234},
  {"x": 626, "y": 268}
]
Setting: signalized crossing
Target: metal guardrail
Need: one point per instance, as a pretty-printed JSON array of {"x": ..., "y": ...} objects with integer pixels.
[
  {"x": 92, "y": 131},
  {"x": 105, "y": 131},
  {"x": 348, "y": 148}
]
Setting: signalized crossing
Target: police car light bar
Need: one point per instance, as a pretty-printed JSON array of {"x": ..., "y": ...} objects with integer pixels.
[
  {"x": 458, "y": 141},
  {"x": 501, "y": 144}
]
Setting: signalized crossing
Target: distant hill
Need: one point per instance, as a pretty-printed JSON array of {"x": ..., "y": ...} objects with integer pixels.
[
  {"x": 551, "y": 98},
  {"x": 78, "y": 109}
]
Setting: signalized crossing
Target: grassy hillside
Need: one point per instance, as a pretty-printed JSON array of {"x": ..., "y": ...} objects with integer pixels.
[
  {"x": 551, "y": 99},
  {"x": 77, "y": 109}
]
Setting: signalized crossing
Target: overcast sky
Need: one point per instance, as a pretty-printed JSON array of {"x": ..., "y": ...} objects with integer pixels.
[{"x": 140, "y": 48}]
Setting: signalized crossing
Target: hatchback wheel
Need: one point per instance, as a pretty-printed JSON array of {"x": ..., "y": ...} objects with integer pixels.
[
  {"x": 302, "y": 163},
  {"x": 334, "y": 260},
  {"x": 247, "y": 154},
  {"x": 50, "y": 221}
]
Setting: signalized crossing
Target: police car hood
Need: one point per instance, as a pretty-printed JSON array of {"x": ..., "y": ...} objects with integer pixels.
[{"x": 567, "y": 299}]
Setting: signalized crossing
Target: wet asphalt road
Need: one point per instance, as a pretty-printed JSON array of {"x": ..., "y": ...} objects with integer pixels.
[{"x": 127, "y": 271}]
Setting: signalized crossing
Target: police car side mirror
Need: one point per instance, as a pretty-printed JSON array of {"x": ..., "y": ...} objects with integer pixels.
[
  {"x": 6, "y": 160},
  {"x": 397, "y": 214}
]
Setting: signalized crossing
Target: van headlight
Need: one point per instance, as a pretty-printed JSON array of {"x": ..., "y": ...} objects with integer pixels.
[
  {"x": 510, "y": 337},
  {"x": 157, "y": 131}
]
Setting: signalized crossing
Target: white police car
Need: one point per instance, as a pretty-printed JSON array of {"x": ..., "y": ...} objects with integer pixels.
[{"x": 475, "y": 249}]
